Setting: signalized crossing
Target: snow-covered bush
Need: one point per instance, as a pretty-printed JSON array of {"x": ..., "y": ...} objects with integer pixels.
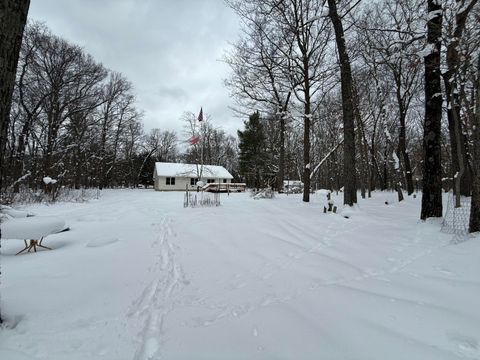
[
  {"x": 264, "y": 194},
  {"x": 26, "y": 195}
]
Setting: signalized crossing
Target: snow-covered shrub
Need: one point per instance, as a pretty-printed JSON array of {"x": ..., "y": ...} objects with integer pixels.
[
  {"x": 26, "y": 195},
  {"x": 264, "y": 194}
]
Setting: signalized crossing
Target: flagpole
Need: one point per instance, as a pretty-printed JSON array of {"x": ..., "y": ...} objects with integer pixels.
[
  {"x": 201, "y": 157},
  {"x": 201, "y": 143}
]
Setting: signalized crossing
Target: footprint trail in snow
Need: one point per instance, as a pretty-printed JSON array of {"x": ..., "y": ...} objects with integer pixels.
[{"x": 159, "y": 297}]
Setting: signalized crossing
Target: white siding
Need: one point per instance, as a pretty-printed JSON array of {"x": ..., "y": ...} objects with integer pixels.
[
  {"x": 183, "y": 174},
  {"x": 180, "y": 183}
]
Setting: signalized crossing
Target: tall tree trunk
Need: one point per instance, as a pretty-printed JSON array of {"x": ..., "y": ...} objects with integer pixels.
[
  {"x": 375, "y": 169},
  {"x": 458, "y": 144},
  {"x": 306, "y": 149},
  {"x": 363, "y": 143},
  {"x": 432, "y": 130},
  {"x": 13, "y": 16},
  {"x": 385, "y": 170},
  {"x": 474, "y": 224},
  {"x": 402, "y": 149},
  {"x": 281, "y": 161},
  {"x": 349, "y": 172}
]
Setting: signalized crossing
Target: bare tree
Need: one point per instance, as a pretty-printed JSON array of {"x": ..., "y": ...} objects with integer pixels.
[
  {"x": 31, "y": 96},
  {"x": 258, "y": 79},
  {"x": 297, "y": 36},
  {"x": 117, "y": 101},
  {"x": 393, "y": 34}
]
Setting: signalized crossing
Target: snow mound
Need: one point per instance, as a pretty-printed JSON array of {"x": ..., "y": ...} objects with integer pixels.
[
  {"x": 99, "y": 242},
  {"x": 323, "y": 192},
  {"x": 32, "y": 227},
  {"x": 14, "y": 213}
]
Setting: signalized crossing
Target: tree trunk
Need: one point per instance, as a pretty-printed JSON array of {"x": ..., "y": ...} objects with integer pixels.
[
  {"x": 460, "y": 172},
  {"x": 402, "y": 149},
  {"x": 364, "y": 166},
  {"x": 281, "y": 161},
  {"x": 349, "y": 172},
  {"x": 306, "y": 132},
  {"x": 385, "y": 170},
  {"x": 474, "y": 224},
  {"x": 13, "y": 16},
  {"x": 432, "y": 130},
  {"x": 374, "y": 167},
  {"x": 306, "y": 153}
]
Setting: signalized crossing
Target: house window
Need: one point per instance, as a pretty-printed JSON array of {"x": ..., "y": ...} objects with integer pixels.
[
  {"x": 209, "y": 181},
  {"x": 170, "y": 181},
  {"x": 224, "y": 181},
  {"x": 193, "y": 181}
]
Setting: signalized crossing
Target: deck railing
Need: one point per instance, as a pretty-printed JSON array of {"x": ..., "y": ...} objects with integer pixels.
[{"x": 225, "y": 187}]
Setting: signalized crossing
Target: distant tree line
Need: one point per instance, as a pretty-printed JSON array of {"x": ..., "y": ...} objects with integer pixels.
[{"x": 77, "y": 122}]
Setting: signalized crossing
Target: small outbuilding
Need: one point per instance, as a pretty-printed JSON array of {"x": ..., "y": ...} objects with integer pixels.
[{"x": 176, "y": 176}]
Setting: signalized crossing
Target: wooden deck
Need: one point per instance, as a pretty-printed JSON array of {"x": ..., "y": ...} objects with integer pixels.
[{"x": 225, "y": 187}]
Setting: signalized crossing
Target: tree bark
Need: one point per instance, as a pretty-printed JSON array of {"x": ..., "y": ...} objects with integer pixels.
[
  {"x": 402, "y": 149},
  {"x": 474, "y": 224},
  {"x": 306, "y": 149},
  {"x": 13, "y": 16},
  {"x": 281, "y": 161},
  {"x": 349, "y": 172},
  {"x": 432, "y": 130},
  {"x": 458, "y": 141}
]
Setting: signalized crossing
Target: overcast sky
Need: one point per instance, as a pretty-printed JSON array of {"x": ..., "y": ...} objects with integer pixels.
[{"x": 168, "y": 49}]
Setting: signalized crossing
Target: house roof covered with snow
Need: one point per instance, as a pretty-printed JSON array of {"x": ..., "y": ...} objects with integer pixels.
[{"x": 191, "y": 170}]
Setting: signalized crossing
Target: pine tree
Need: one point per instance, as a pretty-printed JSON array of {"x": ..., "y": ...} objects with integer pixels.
[{"x": 252, "y": 158}]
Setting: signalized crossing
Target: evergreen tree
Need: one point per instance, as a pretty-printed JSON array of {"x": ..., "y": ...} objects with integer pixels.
[{"x": 252, "y": 151}]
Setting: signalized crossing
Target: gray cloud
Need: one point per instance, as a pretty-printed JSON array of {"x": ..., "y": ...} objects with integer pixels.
[{"x": 169, "y": 49}]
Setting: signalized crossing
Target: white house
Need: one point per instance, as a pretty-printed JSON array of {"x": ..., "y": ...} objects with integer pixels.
[{"x": 174, "y": 176}]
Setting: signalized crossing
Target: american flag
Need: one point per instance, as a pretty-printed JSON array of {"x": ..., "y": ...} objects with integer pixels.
[
  {"x": 200, "y": 116},
  {"x": 194, "y": 140}
]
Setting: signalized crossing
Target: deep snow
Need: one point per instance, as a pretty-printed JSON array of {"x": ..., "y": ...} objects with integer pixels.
[{"x": 140, "y": 277}]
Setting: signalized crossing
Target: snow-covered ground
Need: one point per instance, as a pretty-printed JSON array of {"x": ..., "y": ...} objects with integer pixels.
[{"x": 140, "y": 277}]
